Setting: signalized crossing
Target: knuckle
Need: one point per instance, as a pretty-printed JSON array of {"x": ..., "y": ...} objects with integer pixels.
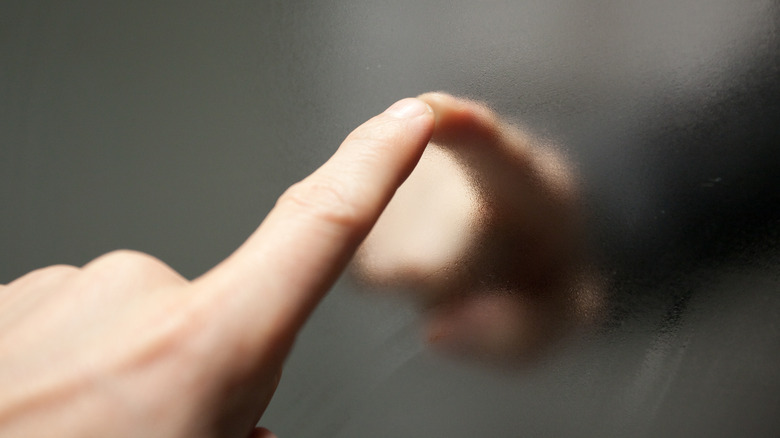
[
  {"x": 128, "y": 261},
  {"x": 325, "y": 201},
  {"x": 56, "y": 270},
  {"x": 46, "y": 274}
]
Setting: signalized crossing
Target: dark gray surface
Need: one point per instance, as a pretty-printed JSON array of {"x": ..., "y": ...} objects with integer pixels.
[{"x": 171, "y": 129}]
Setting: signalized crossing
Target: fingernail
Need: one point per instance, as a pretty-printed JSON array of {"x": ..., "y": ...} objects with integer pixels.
[{"x": 408, "y": 108}]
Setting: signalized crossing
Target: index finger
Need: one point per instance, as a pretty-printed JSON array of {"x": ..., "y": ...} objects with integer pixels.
[{"x": 278, "y": 275}]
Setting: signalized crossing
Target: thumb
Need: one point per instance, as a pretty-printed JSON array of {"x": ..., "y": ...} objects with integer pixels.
[{"x": 280, "y": 273}]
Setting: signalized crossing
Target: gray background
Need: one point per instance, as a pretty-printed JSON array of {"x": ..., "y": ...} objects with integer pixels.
[{"x": 171, "y": 128}]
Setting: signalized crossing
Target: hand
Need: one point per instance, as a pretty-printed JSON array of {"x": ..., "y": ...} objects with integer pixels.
[
  {"x": 487, "y": 235},
  {"x": 125, "y": 346}
]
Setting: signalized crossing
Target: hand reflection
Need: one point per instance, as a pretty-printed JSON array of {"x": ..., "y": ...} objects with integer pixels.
[{"x": 487, "y": 235}]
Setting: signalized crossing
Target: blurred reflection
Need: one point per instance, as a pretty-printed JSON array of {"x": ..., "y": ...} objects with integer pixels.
[{"x": 487, "y": 235}]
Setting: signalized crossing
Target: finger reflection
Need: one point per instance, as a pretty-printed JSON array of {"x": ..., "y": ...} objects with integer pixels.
[{"x": 487, "y": 235}]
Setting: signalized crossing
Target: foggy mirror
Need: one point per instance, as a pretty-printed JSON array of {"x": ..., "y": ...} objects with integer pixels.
[{"x": 587, "y": 248}]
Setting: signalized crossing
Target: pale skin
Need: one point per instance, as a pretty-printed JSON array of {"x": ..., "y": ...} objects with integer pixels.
[{"x": 126, "y": 347}]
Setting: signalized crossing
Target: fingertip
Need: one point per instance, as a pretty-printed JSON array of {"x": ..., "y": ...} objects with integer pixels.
[
  {"x": 460, "y": 120},
  {"x": 444, "y": 103},
  {"x": 438, "y": 101},
  {"x": 408, "y": 108},
  {"x": 435, "y": 96}
]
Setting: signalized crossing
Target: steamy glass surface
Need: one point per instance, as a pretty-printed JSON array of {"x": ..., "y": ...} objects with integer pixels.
[{"x": 172, "y": 130}]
